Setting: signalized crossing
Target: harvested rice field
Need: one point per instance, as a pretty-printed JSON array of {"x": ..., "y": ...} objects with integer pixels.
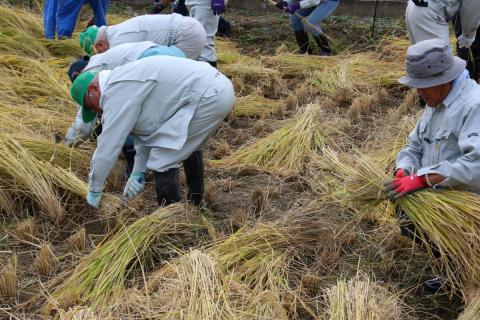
[{"x": 294, "y": 226}]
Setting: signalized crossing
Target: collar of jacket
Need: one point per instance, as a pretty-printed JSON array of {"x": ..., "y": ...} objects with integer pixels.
[{"x": 457, "y": 87}]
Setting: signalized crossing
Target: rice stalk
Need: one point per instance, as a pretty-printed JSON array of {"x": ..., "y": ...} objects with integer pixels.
[
  {"x": 450, "y": 219},
  {"x": 472, "y": 307},
  {"x": 26, "y": 172},
  {"x": 289, "y": 148},
  {"x": 21, "y": 21},
  {"x": 100, "y": 277},
  {"x": 8, "y": 279},
  {"x": 45, "y": 260},
  {"x": 361, "y": 299},
  {"x": 25, "y": 230},
  {"x": 255, "y": 105},
  {"x": 58, "y": 154},
  {"x": 78, "y": 241}
]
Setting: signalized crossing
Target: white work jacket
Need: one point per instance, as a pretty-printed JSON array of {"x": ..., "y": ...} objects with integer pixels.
[
  {"x": 446, "y": 139},
  {"x": 159, "y": 28},
  {"x": 154, "y": 99},
  {"x": 469, "y": 13},
  {"x": 80, "y": 131}
]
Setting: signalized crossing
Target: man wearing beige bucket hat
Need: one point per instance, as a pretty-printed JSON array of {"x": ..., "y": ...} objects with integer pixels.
[{"x": 443, "y": 151}]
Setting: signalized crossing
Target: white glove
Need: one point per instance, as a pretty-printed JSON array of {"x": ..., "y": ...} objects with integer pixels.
[
  {"x": 465, "y": 42},
  {"x": 135, "y": 184}
]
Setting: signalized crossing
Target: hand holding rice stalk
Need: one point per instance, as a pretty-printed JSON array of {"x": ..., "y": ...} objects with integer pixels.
[{"x": 448, "y": 218}]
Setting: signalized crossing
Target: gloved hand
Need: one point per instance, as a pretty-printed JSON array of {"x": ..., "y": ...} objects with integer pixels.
[
  {"x": 135, "y": 184},
  {"x": 400, "y": 173},
  {"x": 282, "y": 5},
  {"x": 399, "y": 187},
  {"x": 218, "y": 7},
  {"x": 94, "y": 199},
  {"x": 293, "y": 7},
  {"x": 465, "y": 42}
]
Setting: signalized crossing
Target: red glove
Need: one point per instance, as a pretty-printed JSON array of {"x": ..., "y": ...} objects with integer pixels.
[
  {"x": 400, "y": 173},
  {"x": 399, "y": 187}
]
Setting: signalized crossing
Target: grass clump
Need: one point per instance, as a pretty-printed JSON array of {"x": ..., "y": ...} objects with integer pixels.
[{"x": 361, "y": 299}]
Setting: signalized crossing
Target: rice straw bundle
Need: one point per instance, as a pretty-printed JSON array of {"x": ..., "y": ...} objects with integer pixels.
[
  {"x": 448, "y": 218},
  {"x": 295, "y": 66},
  {"x": 472, "y": 306},
  {"x": 99, "y": 278},
  {"x": 58, "y": 154},
  {"x": 26, "y": 119},
  {"x": 42, "y": 85},
  {"x": 21, "y": 20},
  {"x": 361, "y": 299},
  {"x": 288, "y": 149},
  {"x": 260, "y": 78},
  {"x": 393, "y": 49},
  {"x": 27, "y": 176},
  {"x": 255, "y": 105}
]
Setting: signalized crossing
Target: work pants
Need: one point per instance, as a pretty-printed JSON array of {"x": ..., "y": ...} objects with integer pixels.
[
  {"x": 472, "y": 54},
  {"x": 68, "y": 11},
  {"x": 213, "y": 107},
  {"x": 314, "y": 16},
  {"x": 202, "y": 11}
]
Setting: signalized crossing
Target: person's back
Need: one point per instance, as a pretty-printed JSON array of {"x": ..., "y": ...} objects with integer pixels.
[
  {"x": 164, "y": 84},
  {"x": 157, "y": 28}
]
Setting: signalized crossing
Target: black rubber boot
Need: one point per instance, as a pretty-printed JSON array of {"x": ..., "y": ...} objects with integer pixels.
[
  {"x": 323, "y": 44},
  {"x": 193, "y": 167},
  {"x": 433, "y": 285},
  {"x": 213, "y": 63},
  {"x": 303, "y": 42},
  {"x": 129, "y": 155},
  {"x": 167, "y": 186}
]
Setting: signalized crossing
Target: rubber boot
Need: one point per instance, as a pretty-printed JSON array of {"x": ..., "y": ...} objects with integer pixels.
[
  {"x": 434, "y": 285},
  {"x": 193, "y": 167},
  {"x": 129, "y": 155},
  {"x": 323, "y": 44},
  {"x": 167, "y": 185},
  {"x": 303, "y": 42}
]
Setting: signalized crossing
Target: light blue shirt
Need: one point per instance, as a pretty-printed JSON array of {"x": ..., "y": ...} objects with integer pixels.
[{"x": 446, "y": 139}]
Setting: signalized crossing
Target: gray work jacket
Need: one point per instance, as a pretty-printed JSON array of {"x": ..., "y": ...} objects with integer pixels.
[
  {"x": 446, "y": 139},
  {"x": 159, "y": 28},
  {"x": 154, "y": 99}
]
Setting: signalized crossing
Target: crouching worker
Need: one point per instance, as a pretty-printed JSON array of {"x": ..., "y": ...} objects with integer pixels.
[
  {"x": 122, "y": 54},
  {"x": 170, "y": 106},
  {"x": 185, "y": 33},
  {"x": 443, "y": 151}
]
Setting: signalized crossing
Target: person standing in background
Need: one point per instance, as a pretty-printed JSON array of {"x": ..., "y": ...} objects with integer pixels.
[{"x": 60, "y": 17}]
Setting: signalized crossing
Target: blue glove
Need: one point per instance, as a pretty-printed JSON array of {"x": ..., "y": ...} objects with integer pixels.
[
  {"x": 293, "y": 7},
  {"x": 94, "y": 198},
  {"x": 218, "y": 7},
  {"x": 135, "y": 184},
  {"x": 281, "y": 5}
]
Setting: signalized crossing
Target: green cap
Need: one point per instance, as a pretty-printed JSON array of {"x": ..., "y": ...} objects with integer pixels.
[
  {"x": 77, "y": 91},
  {"x": 87, "y": 38}
]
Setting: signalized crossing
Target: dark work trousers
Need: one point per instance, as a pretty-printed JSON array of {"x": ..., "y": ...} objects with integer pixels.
[
  {"x": 408, "y": 229},
  {"x": 129, "y": 155},
  {"x": 472, "y": 55}
]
